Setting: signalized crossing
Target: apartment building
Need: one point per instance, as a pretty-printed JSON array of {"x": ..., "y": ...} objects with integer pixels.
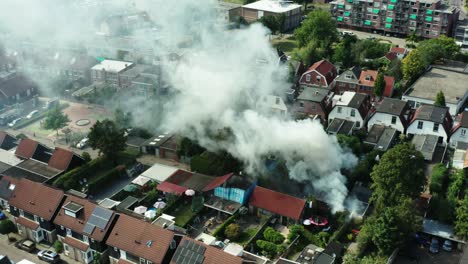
[
  {"x": 461, "y": 33},
  {"x": 256, "y": 10},
  {"x": 427, "y": 18}
]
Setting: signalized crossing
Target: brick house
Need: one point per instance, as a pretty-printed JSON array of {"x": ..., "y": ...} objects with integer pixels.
[
  {"x": 313, "y": 102},
  {"x": 33, "y": 206},
  {"x": 459, "y": 132},
  {"x": 348, "y": 80},
  {"x": 367, "y": 82},
  {"x": 320, "y": 74},
  {"x": 83, "y": 227}
]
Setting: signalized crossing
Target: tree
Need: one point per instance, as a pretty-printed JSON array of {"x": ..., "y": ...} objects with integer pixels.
[
  {"x": 399, "y": 175},
  {"x": 7, "y": 227},
  {"x": 310, "y": 53},
  {"x": 412, "y": 38},
  {"x": 273, "y": 236},
  {"x": 232, "y": 231},
  {"x": 318, "y": 26},
  {"x": 107, "y": 137},
  {"x": 56, "y": 119},
  {"x": 351, "y": 142},
  {"x": 455, "y": 189},
  {"x": 438, "y": 49},
  {"x": 122, "y": 119},
  {"x": 268, "y": 248},
  {"x": 386, "y": 234},
  {"x": 344, "y": 51},
  {"x": 440, "y": 99},
  {"x": 58, "y": 246},
  {"x": 379, "y": 85},
  {"x": 85, "y": 155},
  {"x": 413, "y": 65},
  {"x": 461, "y": 219},
  {"x": 438, "y": 178}
]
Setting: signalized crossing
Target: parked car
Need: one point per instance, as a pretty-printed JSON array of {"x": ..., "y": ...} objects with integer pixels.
[
  {"x": 434, "y": 247},
  {"x": 51, "y": 103},
  {"x": 14, "y": 122},
  {"x": 32, "y": 114},
  {"x": 83, "y": 143},
  {"x": 370, "y": 37},
  {"x": 26, "y": 245},
  {"x": 2, "y": 215},
  {"x": 48, "y": 256},
  {"x": 346, "y": 32},
  {"x": 447, "y": 246}
]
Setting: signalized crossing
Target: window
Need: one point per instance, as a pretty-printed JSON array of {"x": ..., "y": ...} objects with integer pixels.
[
  {"x": 149, "y": 262},
  {"x": 85, "y": 239},
  {"x": 318, "y": 78},
  {"x": 142, "y": 261},
  {"x": 338, "y": 110},
  {"x": 436, "y": 127},
  {"x": 69, "y": 233},
  {"x": 420, "y": 124},
  {"x": 61, "y": 227},
  {"x": 348, "y": 76},
  {"x": 352, "y": 85},
  {"x": 353, "y": 112},
  {"x": 115, "y": 249},
  {"x": 358, "y": 124},
  {"x": 463, "y": 132},
  {"x": 301, "y": 104},
  {"x": 308, "y": 78},
  {"x": 393, "y": 119},
  {"x": 21, "y": 212}
]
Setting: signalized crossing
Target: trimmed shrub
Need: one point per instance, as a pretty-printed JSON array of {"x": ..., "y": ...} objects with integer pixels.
[
  {"x": 438, "y": 178},
  {"x": 232, "y": 231},
  {"x": 273, "y": 236},
  {"x": 220, "y": 229},
  {"x": 85, "y": 155},
  {"x": 268, "y": 248},
  {"x": 102, "y": 180},
  {"x": 58, "y": 246}
]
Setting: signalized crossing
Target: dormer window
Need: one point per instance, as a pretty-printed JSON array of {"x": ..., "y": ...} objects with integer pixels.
[
  {"x": 348, "y": 76},
  {"x": 368, "y": 77},
  {"x": 308, "y": 78},
  {"x": 72, "y": 209}
]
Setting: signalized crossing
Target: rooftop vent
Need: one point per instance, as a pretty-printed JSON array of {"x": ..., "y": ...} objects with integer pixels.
[{"x": 149, "y": 243}]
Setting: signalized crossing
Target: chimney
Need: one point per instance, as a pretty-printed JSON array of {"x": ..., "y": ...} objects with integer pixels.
[
  {"x": 137, "y": 242},
  {"x": 316, "y": 92}
]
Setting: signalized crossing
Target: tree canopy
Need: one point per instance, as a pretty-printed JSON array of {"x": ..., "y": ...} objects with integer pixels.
[
  {"x": 413, "y": 65},
  {"x": 318, "y": 26},
  {"x": 344, "y": 51},
  {"x": 399, "y": 174},
  {"x": 440, "y": 99},
  {"x": 461, "y": 218},
  {"x": 55, "y": 119},
  {"x": 379, "y": 85},
  {"x": 123, "y": 119},
  {"x": 107, "y": 137},
  {"x": 7, "y": 227},
  {"x": 273, "y": 22}
]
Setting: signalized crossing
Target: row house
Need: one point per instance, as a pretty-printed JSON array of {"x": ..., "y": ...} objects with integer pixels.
[
  {"x": 321, "y": 74},
  {"x": 428, "y": 19},
  {"x": 33, "y": 206},
  {"x": 351, "y": 106},
  {"x": 431, "y": 120},
  {"x": 313, "y": 102},
  {"x": 392, "y": 113},
  {"x": 110, "y": 72},
  {"x": 362, "y": 81},
  {"x": 459, "y": 133},
  {"x": 83, "y": 227}
]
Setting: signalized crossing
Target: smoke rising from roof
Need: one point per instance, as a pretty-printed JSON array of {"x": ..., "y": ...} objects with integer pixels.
[{"x": 219, "y": 81}]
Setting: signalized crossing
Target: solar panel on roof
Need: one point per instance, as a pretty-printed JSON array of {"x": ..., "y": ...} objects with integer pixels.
[
  {"x": 88, "y": 229},
  {"x": 100, "y": 217},
  {"x": 189, "y": 253}
]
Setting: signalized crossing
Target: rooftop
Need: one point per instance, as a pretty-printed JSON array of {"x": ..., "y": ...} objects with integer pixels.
[
  {"x": 341, "y": 126},
  {"x": 381, "y": 137},
  {"x": 426, "y": 144},
  {"x": 391, "y": 106},
  {"x": 273, "y": 6},
  {"x": 39, "y": 168},
  {"x": 61, "y": 159},
  {"x": 452, "y": 84},
  {"x": 431, "y": 113},
  {"x": 276, "y": 202},
  {"x": 159, "y": 172},
  {"x": 313, "y": 94},
  {"x": 204, "y": 254},
  {"x": 112, "y": 66}
]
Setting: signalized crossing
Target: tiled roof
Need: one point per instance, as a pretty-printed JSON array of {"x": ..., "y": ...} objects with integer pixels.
[
  {"x": 27, "y": 223},
  {"x": 217, "y": 182},
  {"x": 4, "y": 135},
  {"x": 77, "y": 224},
  {"x": 371, "y": 75},
  {"x": 36, "y": 198},
  {"x": 324, "y": 67},
  {"x": 75, "y": 243},
  {"x": 7, "y": 186},
  {"x": 26, "y": 148},
  {"x": 389, "y": 83},
  {"x": 391, "y": 56},
  {"x": 61, "y": 158},
  {"x": 212, "y": 255},
  {"x": 391, "y": 106},
  {"x": 398, "y": 50},
  {"x": 276, "y": 202},
  {"x": 171, "y": 188},
  {"x": 16, "y": 85},
  {"x": 140, "y": 238}
]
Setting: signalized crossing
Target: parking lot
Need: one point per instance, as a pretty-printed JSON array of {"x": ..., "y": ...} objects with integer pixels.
[{"x": 423, "y": 256}]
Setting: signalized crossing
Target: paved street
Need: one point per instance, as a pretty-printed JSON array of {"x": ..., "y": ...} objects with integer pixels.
[{"x": 363, "y": 35}]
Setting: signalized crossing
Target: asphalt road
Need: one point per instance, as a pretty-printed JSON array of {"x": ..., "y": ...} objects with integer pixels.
[
  {"x": 363, "y": 35},
  {"x": 15, "y": 254}
]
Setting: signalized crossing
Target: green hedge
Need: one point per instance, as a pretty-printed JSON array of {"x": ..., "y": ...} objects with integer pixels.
[
  {"x": 220, "y": 230},
  {"x": 98, "y": 182},
  {"x": 27, "y": 122},
  {"x": 438, "y": 179}
]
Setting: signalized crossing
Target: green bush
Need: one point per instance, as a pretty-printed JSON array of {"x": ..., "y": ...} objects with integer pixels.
[
  {"x": 438, "y": 179},
  {"x": 294, "y": 231},
  {"x": 269, "y": 249},
  {"x": 85, "y": 155},
  {"x": 220, "y": 229},
  {"x": 273, "y": 236},
  {"x": 232, "y": 231},
  {"x": 455, "y": 189},
  {"x": 58, "y": 246}
]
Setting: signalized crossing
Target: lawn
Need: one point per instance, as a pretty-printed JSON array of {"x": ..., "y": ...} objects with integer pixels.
[
  {"x": 35, "y": 128},
  {"x": 183, "y": 214},
  {"x": 285, "y": 44},
  {"x": 245, "y": 236}
]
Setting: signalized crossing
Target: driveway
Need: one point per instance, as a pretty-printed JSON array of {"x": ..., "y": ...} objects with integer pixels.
[{"x": 363, "y": 35}]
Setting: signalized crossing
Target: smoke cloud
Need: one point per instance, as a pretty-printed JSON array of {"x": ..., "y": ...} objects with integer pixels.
[{"x": 219, "y": 83}]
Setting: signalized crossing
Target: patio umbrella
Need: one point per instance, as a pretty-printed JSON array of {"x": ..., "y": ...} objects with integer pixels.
[
  {"x": 159, "y": 205},
  {"x": 150, "y": 214},
  {"x": 190, "y": 192},
  {"x": 307, "y": 222},
  {"x": 140, "y": 209}
]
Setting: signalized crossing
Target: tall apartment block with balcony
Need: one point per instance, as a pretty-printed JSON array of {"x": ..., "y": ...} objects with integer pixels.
[
  {"x": 429, "y": 18},
  {"x": 461, "y": 33}
]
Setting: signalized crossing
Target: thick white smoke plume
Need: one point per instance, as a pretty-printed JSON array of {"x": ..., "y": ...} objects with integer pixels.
[{"x": 220, "y": 81}]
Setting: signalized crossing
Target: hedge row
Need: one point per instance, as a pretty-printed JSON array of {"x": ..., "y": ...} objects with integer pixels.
[
  {"x": 27, "y": 122},
  {"x": 220, "y": 230},
  {"x": 98, "y": 182},
  {"x": 71, "y": 179}
]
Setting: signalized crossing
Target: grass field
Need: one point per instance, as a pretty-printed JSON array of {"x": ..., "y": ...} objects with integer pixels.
[
  {"x": 35, "y": 128},
  {"x": 183, "y": 214},
  {"x": 285, "y": 44}
]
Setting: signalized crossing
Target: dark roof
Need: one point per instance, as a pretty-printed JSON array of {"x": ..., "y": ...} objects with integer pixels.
[
  {"x": 313, "y": 94},
  {"x": 211, "y": 255},
  {"x": 7, "y": 186},
  {"x": 39, "y": 168},
  {"x": 381, "y": 137},
  {"x": 6, "y": 140},
  {"x": 16, "y": 85},
  {"x": 276, "y": 202},
  {"x": 26, "y": 148},
  {"x": 355, "y": 72},
  {"x": 217, "y": 182},
  {"x": 391, "y": 106},
  {"x": 19, "y": 173},
  {"x": 341, "y": 126},
  {"x": 431, "y": 113},
  {"x": 61, "y": 159},
  {"x": 426, "y": 144},
  {"x": 140, "y": 238},
  {"x": 36, "y": 198},
  {"x": 79, "y": 223}
]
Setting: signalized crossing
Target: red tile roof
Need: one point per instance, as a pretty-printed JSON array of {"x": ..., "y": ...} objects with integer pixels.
[
  {"x": 123, "y": 261},
  {"x": 398, "y": 50},
  {"x": 133, "y": 236},
  {"x": 325, "y": 68},
  {"x": 391, "y": 56},
  {"x": 77, "y": 224},
  {"x": 26, "y": 148},
  {"x": 389, "y": 83},
  {"x": 213, "y": 255},
  {"x": 276, "y": 202},
  {"x": 368, "y": 73},
  {"x": 463, "y": 122},
  {"x": 171, "y": 188},
  {"x": 61, "y": 158},
  {"x": 217, "y": 182},
  {"x": 75, "y": 243},
  {"x": 27, "y": 223},
  {"x": 36, "y": 198}
]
